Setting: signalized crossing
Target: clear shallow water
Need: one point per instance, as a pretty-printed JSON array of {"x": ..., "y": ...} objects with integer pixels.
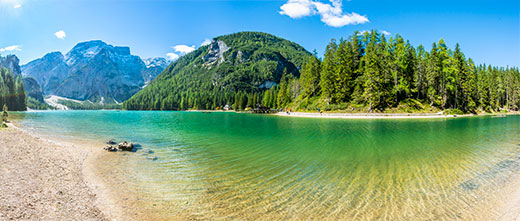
[{"x": 247, "y": 166}]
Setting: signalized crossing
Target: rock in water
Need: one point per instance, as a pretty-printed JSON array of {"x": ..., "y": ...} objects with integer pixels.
[
  {"x": 111, "y": 142},
  {"x": 125, "y": 146},
  {"x": 110, "y": 148}
]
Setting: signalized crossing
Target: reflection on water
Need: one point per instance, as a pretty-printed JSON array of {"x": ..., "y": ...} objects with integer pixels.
[{"x": 246, "y": 166}]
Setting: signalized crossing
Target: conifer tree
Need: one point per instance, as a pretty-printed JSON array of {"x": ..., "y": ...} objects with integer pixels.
[{"x": 328, "y": 70}]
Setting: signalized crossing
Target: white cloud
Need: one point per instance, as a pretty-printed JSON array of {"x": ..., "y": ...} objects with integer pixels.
[
  {"x": 60, "y": 34},
  {"x": 386, "y": 33},
  {"x": 11, "y": 48},
  {"x": 17, "y": 6},
  {"x": 297, "y": 8},
  {"x": 172, "y": 56},
  {"x": 206, "y": 42},
  {"x": 330, "y": 13},
  {"x": 185, "y": 49}
]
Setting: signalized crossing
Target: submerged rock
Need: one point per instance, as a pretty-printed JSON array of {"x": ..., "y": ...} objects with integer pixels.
[
  {"x": 111, "y": 142},
  {"x": 125, "y": 146},
  {"x": 469, "y": 185}
]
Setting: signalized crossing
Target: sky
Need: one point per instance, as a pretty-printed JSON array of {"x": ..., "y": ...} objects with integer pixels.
[{"x": 487, "y": 31}]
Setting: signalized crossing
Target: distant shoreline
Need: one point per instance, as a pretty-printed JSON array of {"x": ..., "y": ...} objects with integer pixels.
[
  {"x": 383, "y": 115},
  {"x": 369, "y": 115}
]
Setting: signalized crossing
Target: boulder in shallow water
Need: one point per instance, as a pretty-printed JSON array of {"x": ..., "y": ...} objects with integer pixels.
[
  {"x": 110, "y": 148},
  {"x": 111, "y": 142},
  {"x": 125, "y": 146}
]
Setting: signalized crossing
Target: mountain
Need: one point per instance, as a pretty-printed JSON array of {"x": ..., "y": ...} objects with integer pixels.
[
  {"x": 49, "y": 71},
  {"x": 214, "y": 75},
  {"x": 32, "y": 90},
  {"x": 94, "y": 71},
  {"x": 154, "y": 66},
  {"x": 11, "y": 62}
]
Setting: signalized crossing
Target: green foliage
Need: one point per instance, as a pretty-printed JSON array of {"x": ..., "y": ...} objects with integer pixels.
[
  {"x": 254, "y": 63},
  {"x": 34, "y": 104},
  {"x": 453, "y": 112},
  {"x": 12, "y": 92},
  {"x": 4, "y": 113},
  {"x": 371, "y": 74}
]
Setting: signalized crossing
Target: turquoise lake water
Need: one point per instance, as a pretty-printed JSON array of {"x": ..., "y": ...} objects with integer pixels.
[{"x": 214, "y": 165}]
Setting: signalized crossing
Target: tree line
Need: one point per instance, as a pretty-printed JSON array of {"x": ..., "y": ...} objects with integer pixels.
[
  {"x": 370, "y": 73},
  {"x": 362, "y": 73},
  {"x": 12, "y": 93}
]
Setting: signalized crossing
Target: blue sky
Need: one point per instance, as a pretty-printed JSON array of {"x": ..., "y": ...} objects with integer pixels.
[{"x": 488, "y": 31}]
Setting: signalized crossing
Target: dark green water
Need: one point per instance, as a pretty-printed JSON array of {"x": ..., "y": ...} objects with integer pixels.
[{"x": 256, "y": 166}]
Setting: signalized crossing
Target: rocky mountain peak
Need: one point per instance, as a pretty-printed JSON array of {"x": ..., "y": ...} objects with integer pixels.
[
  {"x": 155, "y": 62},
  {"x": 11, "y": 62}
]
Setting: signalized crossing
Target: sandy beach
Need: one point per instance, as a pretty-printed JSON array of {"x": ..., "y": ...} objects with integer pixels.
[{"x": 43, "y": 180}]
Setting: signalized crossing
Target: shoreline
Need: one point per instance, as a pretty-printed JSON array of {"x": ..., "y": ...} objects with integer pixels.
[
  {"x": 379, "y": 115},
  {"x": 82, "y": 186}
]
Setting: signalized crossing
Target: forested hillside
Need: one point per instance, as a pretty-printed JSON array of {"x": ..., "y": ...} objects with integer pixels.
[
  {"x": 11, "y": 91},
  {"x": 231, "y": 68},
  {"x": 362, "y": 73}
]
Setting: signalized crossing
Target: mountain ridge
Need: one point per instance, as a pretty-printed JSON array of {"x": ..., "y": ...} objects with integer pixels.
[{"x": 92, "y": 70}]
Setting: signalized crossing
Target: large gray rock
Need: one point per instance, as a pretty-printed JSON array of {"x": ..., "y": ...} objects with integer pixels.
[{"x": 94, "y": 71}]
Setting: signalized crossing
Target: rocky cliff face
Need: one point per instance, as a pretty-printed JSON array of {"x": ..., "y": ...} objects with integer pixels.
[
  {"x": 49, "y": 71},
  {"x": 32, "y": 89},
  {"x": 93, "y": 71},
  {"x": 11, "y": 62}
]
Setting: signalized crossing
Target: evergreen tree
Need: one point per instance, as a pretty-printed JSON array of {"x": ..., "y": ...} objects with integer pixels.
[
  {"x": 328, "y": 72},
  {"x": 374, "y": 78},
  {"x": 310, "y": 77},
  {"x": 4, "y": 113}
]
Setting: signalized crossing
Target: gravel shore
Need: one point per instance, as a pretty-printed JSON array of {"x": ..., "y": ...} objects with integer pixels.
[{"x": 40, "y": 180}]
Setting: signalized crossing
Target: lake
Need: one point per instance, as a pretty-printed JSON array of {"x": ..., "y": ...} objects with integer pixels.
[{"x": 246, "y": 166}]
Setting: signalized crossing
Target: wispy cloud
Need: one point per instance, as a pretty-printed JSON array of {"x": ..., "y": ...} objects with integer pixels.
[
  {"x": 363, "y": 32},
  {"x": 382, "y": 32},
  {"x": 386, "y": 33},
  {"x": 172, "y": 56},
  {"x": 11, "y": 48},
  {"x": 17, "y": 6},
  {"x": 185, "y": 49},
  {"x": 207, "y": 41},
  {"x": 181, "y": 50},
  {"x": 330, "y": 13},
  {"x": 60, "y": 34}
]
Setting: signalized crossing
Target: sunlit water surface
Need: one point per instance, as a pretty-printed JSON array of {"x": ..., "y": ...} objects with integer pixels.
[{"x": 244, "y": 166}]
